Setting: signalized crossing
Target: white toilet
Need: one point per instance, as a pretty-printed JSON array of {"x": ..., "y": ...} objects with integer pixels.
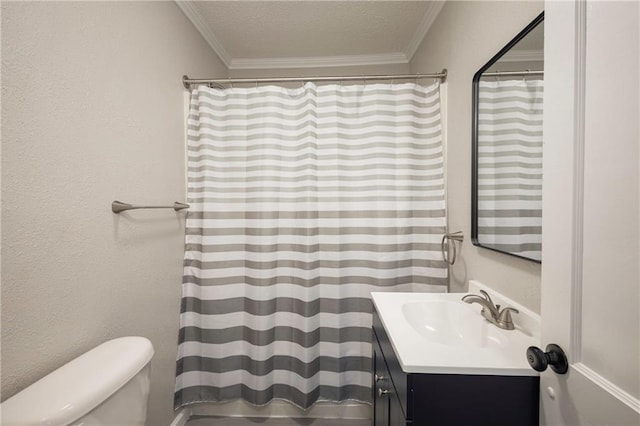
[{"x": 109, "y": 385}]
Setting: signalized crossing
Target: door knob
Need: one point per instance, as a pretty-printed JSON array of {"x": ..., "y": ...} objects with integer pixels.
[{"x": 554, "y": 356}]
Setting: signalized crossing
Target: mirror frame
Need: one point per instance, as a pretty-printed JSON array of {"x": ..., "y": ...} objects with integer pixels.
[{"x": 474, "y": 135}]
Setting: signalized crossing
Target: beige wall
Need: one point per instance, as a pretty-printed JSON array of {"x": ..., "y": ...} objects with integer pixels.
[
  {"x": 92, "y": 111},
  {"x": 314, "y": 72},
  {"x": 325, "y": 71},
  {"x": 464, "y": 37}
]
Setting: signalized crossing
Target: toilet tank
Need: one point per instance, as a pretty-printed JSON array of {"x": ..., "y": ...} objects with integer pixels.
[{"x": 109, "y": 385}]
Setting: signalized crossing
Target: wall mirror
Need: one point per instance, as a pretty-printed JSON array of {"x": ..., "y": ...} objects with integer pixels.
[{"x": 507, "y": 147}]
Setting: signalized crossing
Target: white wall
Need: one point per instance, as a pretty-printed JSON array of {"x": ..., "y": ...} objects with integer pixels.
[
  {"x": 92, "y": 111},
  {"x": 464, "y": 37}
]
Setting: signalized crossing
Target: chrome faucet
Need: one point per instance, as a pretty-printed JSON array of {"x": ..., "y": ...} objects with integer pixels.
[{"x": 492, "y": 313}]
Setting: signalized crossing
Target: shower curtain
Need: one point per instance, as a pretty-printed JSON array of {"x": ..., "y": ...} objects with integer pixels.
[
  {"x": 510, "y": 165},
  {"x": 303, "y": 201}
]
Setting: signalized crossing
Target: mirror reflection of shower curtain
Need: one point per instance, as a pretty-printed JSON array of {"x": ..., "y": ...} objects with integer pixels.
[
  {"x": 510, "y": 166},
  {"x": 303, "y": 201}
]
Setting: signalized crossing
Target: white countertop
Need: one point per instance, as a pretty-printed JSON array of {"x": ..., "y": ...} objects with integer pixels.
[{"x": 417, "y": 354}]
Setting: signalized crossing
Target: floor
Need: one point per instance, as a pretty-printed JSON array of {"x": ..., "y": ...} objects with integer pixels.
[{"x": 255, "y": 421}]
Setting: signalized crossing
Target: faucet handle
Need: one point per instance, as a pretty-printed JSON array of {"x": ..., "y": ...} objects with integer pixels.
[
  {"x": 504, "y": 318},
  {"x": 507, "y": 309}
]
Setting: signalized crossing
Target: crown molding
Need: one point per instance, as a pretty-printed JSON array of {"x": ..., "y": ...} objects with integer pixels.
[
  {"x": 428, "y": 19},
  {"x": 523, "y": 56},
  {"x": 318, "y": 61},
  {"x": 191, "y": 12}
]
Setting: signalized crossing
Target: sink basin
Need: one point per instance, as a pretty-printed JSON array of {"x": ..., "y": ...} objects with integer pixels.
[
  {"x": 452, "y": 323},
  {"x": 438, "y": 333}
]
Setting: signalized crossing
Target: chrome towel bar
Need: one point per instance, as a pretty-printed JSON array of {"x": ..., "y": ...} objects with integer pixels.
[{"x": 119, "y": 206}]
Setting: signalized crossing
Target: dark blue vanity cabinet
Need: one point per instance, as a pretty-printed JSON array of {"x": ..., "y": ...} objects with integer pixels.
[{"x": 418, "y": 399}]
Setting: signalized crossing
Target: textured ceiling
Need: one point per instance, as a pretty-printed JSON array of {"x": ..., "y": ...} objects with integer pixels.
[{"x": 254, "y": 34}]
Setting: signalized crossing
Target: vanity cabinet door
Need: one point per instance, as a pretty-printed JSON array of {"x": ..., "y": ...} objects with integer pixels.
[
  {"x": 381, "y": 375},
  {"x": 475, "y": 400},
  {"x": 399, "y": 380},
  {"x": 387, "y": 410}
]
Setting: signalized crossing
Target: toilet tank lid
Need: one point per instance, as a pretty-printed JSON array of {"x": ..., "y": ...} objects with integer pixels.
[{"x": 79, "y": 386}]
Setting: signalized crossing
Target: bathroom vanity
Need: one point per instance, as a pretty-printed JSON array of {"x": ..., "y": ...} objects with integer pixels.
[{"x": 445, "y": 378}]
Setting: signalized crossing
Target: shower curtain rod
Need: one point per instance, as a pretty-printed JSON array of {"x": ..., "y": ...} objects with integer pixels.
[
  {"x": 511, "y": 73},
  {"x": 187, "y": 82}
]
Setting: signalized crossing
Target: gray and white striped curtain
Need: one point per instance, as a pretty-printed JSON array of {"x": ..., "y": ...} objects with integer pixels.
[
  {"x": 303, "y": 201},
  {"x": 510, "y": 166}
]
